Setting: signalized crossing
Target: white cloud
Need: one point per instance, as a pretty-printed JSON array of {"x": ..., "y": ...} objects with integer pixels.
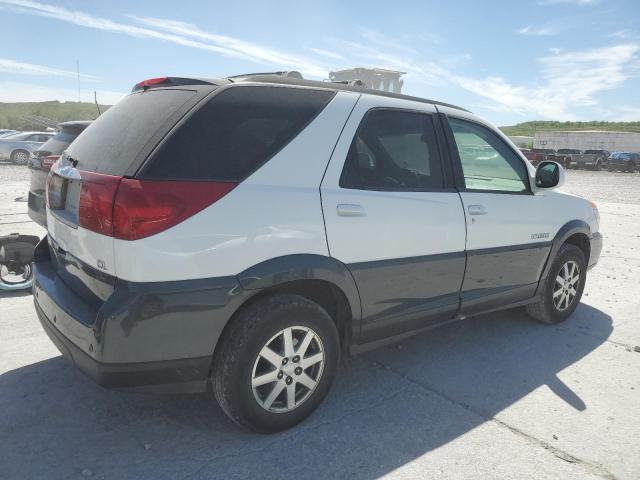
[
  {"x": 623, "y": 34},
  {"x": 571, "y": 2},
  {"x": 564, "y": 89},
  {"x": 625, "y": 114},
  {"x": 22, "y": 92},
  {"x": 327, "y": 53},
  {"x": 11, "y": 66},
  {"x": 558, "y": 92},
  {"x": 537, "y": 31},
  {"x": 176, "y": 32},
  {"x": 237, "y": 47}
]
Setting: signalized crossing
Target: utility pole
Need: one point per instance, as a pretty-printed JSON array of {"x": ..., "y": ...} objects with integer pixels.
[{"x": 78, "y": 70}]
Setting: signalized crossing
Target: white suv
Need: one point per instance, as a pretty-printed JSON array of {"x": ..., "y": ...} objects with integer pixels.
[{"x": 243, "y": 232}]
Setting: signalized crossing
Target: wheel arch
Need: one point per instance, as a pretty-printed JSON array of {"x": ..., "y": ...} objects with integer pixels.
[
  {"x": 323, "y": 280},
  {"x": 575, "y": 232}
]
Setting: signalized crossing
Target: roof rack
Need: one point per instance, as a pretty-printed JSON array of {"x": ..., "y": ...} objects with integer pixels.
[
  {"x": 352, "y": 86},
  {"x": 283, "y": 73}
]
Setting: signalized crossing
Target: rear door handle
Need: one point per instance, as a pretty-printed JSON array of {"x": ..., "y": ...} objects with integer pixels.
[
  {"x": 350, "y": 210},
  {"x": 477, "y": 210}
]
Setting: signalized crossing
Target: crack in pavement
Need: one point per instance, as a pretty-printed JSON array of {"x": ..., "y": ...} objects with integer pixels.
[{"x": 594, "y": 468}]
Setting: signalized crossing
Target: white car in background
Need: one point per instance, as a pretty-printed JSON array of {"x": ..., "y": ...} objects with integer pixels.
[{"x": 18, "y": 147}]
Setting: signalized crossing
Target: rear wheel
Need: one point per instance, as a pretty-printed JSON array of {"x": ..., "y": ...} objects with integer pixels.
[
  {"x": 562, "y": 290},
  {"x": 20, "y": 157},
  {"x": 275, "y": 363}
]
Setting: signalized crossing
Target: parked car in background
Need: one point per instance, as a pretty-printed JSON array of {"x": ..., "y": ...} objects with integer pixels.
[
  {"x": 18, "y": 147},
  {"x": 235, "y": 237},
  {"x": 593, "y": 159},
  {"x": 623, "y": 161},
  {"x": 6, "y": 133},
  {"x": 564, "y": 156},
  {"x": 537, "y": 155},
  {"x": 40, "y": 163}
]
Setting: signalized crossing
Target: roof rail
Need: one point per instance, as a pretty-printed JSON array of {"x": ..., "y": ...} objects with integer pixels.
[
  {"x": 352, "y": 86},
  {"x": 283, "y": 73}
]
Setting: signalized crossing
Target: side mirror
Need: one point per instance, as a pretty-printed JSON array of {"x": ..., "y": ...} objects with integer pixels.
[{"x": 549, "y": 175}]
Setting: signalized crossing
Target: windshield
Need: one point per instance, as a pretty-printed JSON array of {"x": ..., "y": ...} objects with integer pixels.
[{"x": 622, "y": 155}]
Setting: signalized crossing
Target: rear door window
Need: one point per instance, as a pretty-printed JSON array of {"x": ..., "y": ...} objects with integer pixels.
[
  {"x": 111, "y": 144},
  {"x": 236, "y": 132},
  {"x": 394, "y": 150}
]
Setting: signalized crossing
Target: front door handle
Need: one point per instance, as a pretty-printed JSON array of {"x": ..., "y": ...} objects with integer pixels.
[
  {"x": 350, "y": 210},
  {"x": 477, "y": 210}
]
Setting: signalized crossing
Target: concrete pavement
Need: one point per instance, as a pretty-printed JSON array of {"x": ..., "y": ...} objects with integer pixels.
[{"x": 497, "y": 396}]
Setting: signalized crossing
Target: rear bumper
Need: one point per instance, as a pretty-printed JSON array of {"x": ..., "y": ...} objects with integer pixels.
[
  {"x": 157, "y": 337},
  {"x": 596, "y": 249},
  {"x": 172, "y": 376}
]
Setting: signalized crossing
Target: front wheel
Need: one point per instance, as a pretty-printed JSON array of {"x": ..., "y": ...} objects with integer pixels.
[
  {"x": 275, "y": 363},
  {"x": 563, "y": 287}
]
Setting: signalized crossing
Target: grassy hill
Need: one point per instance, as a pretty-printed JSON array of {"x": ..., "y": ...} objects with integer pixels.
[
  {"x": 530, "y": 128},
  {"x": 12, "y": 114}
]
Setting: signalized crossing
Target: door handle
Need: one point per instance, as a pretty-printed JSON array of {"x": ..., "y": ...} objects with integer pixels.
[
  {"x": 477, "y": 210},
  {"x": 350, "y": 210}
]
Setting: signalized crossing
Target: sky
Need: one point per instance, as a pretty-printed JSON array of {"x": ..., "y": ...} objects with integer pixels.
[{"x": 507, "y": 61}]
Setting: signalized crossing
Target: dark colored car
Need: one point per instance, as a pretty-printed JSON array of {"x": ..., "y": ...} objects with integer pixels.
[
  {"x": 592, "y": 159},
  {"x": 623, "y": 161},
  {"x": 40, "y": 163},
  {"x": 537, "y": 155},
  {"x": 564, "y": 156}
]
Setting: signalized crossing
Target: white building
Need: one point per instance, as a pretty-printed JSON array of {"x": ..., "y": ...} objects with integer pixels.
[
  {"x": 521, "y": 140},
  {"x": 589, "y": 140}
]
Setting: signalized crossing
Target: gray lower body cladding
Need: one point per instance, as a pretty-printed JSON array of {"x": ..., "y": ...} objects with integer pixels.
[
  {"x": 161, "y": 336},
  {"x": 156, "y": 336}
]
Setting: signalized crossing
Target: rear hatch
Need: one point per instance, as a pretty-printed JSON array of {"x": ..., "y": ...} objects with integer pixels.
[{"x": 82, "y": 184}]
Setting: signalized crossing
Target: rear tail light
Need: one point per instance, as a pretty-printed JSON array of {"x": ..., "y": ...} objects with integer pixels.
[
  {"x": 131, "y": 209},
  {"x": 143, "y": 208},
  {"x": 49, "y": 160},
  {"x": 95, "y": 210}
]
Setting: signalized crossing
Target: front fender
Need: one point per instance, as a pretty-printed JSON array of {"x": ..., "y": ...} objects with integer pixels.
[{"x": 568, "y": 229}]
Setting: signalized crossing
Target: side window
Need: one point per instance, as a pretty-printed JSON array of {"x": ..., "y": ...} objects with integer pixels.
[
  {"x": 236, "y": 132},
  {"x": 487, "y": 162},
  {"x": 394, "y": 150}
]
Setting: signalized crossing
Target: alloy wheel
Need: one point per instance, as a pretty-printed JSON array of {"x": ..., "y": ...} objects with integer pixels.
[
  {"x": 566, "y": 285},
  {"x": 288, "y": 369},
  {"x": 21, "y": 158}
]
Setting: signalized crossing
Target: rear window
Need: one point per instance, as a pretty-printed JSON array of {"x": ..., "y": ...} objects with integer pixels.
[
  {"x": 235, "y": 133},
  {"x": 57, "y": 144},
  {"x": 113, "y": 141}
]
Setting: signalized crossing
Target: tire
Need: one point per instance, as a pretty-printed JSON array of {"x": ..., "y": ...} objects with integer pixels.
[
  {"x": 547, "y": 310},
  {"x": 238, "y": 363},
  {"x": 19, "y": 157},
  {"x": 598, "y": 166}
]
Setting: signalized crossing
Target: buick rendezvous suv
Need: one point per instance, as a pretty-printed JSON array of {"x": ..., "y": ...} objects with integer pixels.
[{"x": 240, "y": 234}]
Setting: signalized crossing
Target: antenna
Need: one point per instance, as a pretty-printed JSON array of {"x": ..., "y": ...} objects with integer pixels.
[
  {"x": 95, "y": 100},
  {"x": 78, "y": 70}
]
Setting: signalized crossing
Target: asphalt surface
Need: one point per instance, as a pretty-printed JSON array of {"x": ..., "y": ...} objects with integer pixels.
[{"x": 497, "y": 396}]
